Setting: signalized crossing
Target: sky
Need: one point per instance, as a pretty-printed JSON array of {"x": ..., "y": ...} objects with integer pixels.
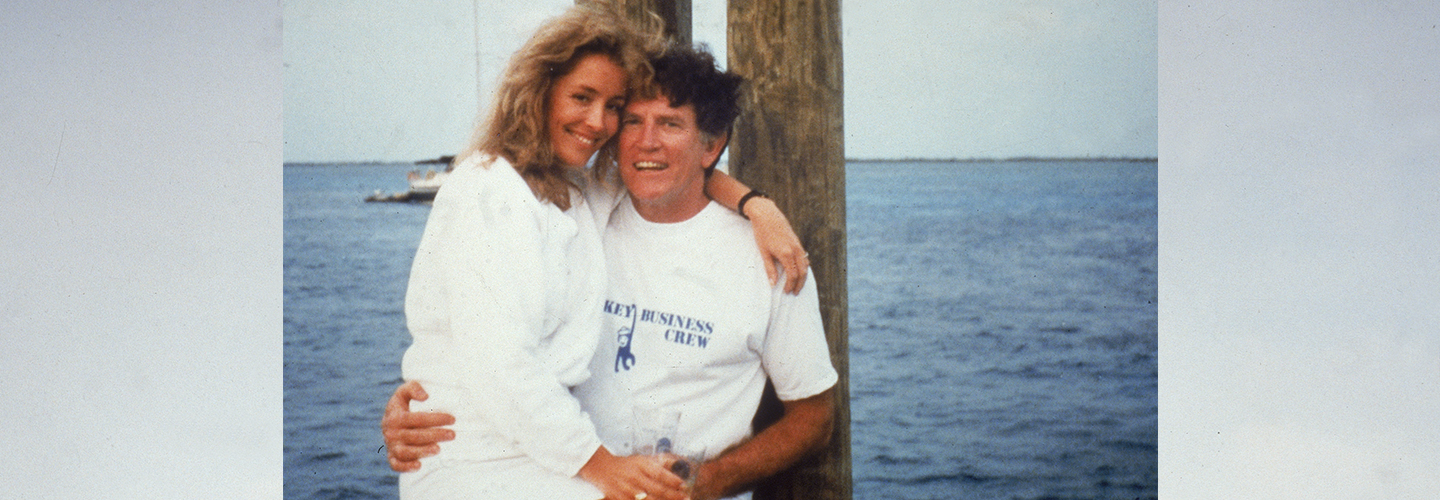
[
  {"x": 391, "y": 80},
  {"x": 1299, "y": 228},
  {"x": 141, "y": 259}
]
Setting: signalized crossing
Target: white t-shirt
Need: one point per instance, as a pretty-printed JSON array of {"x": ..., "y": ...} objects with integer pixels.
[
  {"x": 503, "y": 304},
  {"x": 692, "y": 324}
]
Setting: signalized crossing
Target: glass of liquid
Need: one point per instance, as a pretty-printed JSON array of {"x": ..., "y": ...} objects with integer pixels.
[{"x": 656, "y": 432}]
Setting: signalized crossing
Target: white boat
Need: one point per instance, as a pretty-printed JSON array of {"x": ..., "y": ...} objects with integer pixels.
[{"x": 424, "y": 186}]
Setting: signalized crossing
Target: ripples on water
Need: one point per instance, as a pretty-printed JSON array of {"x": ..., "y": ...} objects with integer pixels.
[
  {"x": 346, "y": 266},
  {"x": 1002, "y": 328}
]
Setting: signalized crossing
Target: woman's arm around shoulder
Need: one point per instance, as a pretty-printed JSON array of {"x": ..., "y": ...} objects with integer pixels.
[{"x": 773, "y": 234}]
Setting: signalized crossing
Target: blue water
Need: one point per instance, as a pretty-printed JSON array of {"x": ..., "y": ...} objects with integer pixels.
[{"x": 1002, "y": 328}]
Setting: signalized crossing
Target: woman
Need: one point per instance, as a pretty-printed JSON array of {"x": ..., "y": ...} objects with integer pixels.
[{"x": 505, "y": 290}]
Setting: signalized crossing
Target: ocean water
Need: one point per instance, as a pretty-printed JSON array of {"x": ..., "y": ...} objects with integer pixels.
[{"x": 1002, "y": 328}]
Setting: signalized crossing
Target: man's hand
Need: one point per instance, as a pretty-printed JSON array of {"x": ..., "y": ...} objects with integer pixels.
[
  {"x": 412, "y": 436},
  {"x": 778, "y": 243},
  {"x": 804, "y": 429}
]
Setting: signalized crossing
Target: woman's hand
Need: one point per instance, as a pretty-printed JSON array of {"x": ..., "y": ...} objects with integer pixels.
[
  {"x": 642, "y": 477},
  {"x": 778, "y": 243},
  {"x": 412, "y": 436}
]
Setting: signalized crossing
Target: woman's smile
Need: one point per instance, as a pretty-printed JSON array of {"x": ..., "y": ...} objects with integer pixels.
[{"x": 585, "y": 108}]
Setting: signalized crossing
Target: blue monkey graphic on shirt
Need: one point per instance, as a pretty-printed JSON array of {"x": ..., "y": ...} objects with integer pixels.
[{"x": 624, "y": 357}]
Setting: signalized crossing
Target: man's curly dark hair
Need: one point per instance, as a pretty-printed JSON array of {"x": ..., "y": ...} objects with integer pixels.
[{"x": 687, "y": 75}]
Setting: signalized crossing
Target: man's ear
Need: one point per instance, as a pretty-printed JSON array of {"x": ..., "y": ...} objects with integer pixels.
[{"x": 716, "y": 146}]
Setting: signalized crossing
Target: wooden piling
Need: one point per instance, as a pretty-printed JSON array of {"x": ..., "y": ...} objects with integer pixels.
[
  {"x": 789, "y": 142},
  {"x": 675, "y": 13}
]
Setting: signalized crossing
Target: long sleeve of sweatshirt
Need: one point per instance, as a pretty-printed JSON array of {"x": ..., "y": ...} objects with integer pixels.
[{"x": 477, "y": 308}]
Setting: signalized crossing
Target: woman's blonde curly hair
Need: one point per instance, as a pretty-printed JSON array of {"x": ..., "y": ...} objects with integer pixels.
[{"x": 516, "y": 128}]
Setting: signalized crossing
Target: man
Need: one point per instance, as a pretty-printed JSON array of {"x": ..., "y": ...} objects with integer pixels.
[{"x": 692, "y": 322}]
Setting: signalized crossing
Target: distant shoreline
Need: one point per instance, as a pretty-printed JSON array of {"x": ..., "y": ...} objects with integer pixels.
[{"x": 855, "y": 160}]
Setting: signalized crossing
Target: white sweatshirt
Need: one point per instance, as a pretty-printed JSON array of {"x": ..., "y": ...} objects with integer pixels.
[{"x": 503, "y": 305}]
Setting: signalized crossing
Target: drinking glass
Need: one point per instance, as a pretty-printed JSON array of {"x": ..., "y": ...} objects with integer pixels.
[{"x": 656, "y": 433}]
